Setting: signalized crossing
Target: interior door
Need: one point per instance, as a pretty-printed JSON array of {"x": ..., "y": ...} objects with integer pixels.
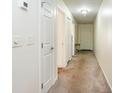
[
  {"x": 86, "y": 37},
  {"x": 73, "y": 39},
  {"x": 47, "y": 45},
  {"x": 69, "y": 42},
  {"x": 60, "y": 38}
]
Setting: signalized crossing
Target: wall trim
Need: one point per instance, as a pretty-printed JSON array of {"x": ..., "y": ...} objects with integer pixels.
[
  {"x": 54, "y": 81},
  {"x": 104, "y": 73}
]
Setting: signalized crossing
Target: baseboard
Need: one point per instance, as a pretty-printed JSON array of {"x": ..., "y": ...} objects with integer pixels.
[
  {"x": 105, "y": 77},
  {"x": 54, "y": 81},
  {"x": 104, "y": 74},
  {"x": 86, "y": 50}
]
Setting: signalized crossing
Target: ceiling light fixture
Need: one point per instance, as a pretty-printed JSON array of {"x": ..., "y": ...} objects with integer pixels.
[{"x": 84, "y": 12}]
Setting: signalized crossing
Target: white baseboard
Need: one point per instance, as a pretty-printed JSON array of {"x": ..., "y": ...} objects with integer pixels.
[
  {"x": 54, "y": 80},
  {"x": 104, "y": 74},
  {"x": 105, "y": 77}
]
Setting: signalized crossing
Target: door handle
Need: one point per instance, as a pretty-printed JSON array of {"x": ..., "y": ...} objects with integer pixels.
[{"x": 52, "y": 48}]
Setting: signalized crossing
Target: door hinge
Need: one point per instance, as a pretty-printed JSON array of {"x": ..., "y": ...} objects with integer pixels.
[
  {"x": 42, "y": 3},
  {"x": 42, "y": 86},
  {"x": 41, "y": 45}
]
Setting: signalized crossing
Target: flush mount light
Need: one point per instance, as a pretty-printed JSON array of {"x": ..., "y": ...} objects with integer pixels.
[{"x": 84, "y": 12}]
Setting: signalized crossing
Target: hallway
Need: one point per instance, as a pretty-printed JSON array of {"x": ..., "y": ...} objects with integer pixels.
[
  {"x": 46, "y": 35},
  {"x": 82, "y": 75}
]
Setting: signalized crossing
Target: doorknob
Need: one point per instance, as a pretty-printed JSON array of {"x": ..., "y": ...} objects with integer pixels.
[{"x": 52, "y": 48}]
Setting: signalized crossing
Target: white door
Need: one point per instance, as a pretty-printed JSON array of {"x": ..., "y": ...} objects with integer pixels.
[
  {"x": 60, "y": 38},
  {"x": 47, "y": 46},
  {"x": 73, "y": 39},
  {"x": 86, "y": 36},
  {"x": 69, "y": 42}
]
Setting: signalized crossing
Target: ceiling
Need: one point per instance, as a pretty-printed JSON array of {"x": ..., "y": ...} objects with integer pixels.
[{"x": 75, "y": 6}]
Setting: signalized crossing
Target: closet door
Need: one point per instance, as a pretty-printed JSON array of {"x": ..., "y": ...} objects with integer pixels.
[
  {"x": 47, "y": 45},
  {"x": 60, "y": 38}
]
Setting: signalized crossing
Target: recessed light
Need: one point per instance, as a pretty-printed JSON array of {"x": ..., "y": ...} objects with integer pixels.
[{"x": 84, "y": 12}]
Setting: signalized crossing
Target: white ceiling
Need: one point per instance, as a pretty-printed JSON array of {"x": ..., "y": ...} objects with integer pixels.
[{"x": 75, "y": 7}]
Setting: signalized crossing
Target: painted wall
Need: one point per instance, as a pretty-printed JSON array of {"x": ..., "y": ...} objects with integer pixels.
[
  {"x": 62, "y": 5},
  {"x": 103, "y": 39},
  {"x": 25, "y": 56},
  {"x": 85, "y": 36}
]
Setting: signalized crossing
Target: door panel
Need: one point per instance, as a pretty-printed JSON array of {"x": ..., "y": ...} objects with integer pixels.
[
  {"x": 47, "y": 69},
  {"x": 47, "y": 32}
]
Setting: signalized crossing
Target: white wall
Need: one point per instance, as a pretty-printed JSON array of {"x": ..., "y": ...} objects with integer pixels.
[
  {"x": 62, "y": 5},
  {"x": 85, "y": 36},
  {"x": 25, "y": 58},
  {"x": 103, "y": 39}
]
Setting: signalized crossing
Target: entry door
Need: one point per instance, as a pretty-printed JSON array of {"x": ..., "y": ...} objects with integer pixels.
[{"x": 47, "y": 45}]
